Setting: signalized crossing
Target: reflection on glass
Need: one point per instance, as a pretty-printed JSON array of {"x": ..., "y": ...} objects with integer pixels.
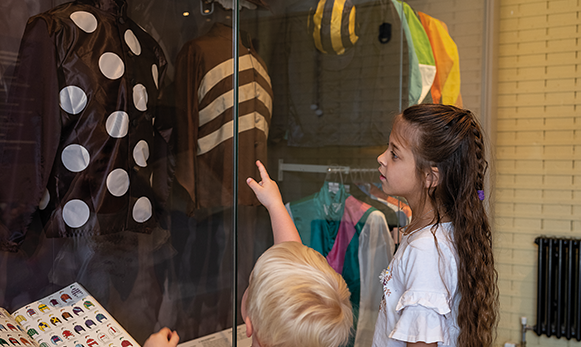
[{"x": 116, "y": 143}]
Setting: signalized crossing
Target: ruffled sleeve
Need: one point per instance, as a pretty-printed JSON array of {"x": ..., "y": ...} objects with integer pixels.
[
  {"x": 424, "y": 316},
  {"x": 433, "y": 301},
  {"x": 424, "y": 308}
]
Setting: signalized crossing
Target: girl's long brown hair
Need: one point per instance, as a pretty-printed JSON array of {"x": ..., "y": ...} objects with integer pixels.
[{"x": 451, "y": 139}]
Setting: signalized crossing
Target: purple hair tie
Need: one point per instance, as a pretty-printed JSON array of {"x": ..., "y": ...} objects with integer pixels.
[{"x": 481, "y": 195}]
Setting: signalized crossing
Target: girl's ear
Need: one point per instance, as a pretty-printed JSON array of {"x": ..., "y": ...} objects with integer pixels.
[{"x": 432, "y": 177}]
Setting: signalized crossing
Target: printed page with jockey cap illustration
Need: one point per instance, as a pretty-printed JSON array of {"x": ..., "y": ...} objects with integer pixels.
[{"x": 70, "y": 317}]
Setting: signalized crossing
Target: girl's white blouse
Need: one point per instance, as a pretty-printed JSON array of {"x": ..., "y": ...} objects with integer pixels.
[{"x": 420, "y": 299}]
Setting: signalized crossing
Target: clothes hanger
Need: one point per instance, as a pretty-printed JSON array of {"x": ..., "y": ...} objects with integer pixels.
[{"x": 335, "y": 172}]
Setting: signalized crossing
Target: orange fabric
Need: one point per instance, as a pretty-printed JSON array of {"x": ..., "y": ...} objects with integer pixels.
[{"x": 446, "y": 86}]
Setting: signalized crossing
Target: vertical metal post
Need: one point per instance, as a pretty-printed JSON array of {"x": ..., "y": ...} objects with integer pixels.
[
  {"x": 548, "y": 319},
  {"x": 402, "y": 18},
  {"x": 235, "y": 111},
  {"x": 489, "y": 72},
  {"x": 523, "y": 339},
  {"x": 577, "y": 307},
  {"x": 541, "y": 280},
  {"x": 568, "y": 305},
  {"x": 558, "y": 294}
]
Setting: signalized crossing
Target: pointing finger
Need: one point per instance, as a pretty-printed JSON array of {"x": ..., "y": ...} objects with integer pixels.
[{"x": 262, "y": 170}]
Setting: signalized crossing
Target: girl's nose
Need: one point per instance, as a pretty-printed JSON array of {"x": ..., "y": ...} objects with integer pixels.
[{"x": 381, "y": 158}]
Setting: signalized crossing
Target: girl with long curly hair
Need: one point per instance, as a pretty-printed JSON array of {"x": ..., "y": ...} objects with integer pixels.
[
  {"x": 441, "y": 285},
  {"x": 440, "y": 288}
]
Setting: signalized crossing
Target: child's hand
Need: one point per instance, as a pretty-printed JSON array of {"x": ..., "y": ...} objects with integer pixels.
[
  {"x": 266, "y": 190},
  {"x": 283, "y": 228},
  {"x": 163, "y": 338}
]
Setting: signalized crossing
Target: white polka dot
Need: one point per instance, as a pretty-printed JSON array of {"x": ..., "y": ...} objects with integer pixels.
[
  {"x": 44, "y": 201},
  {"x": 72, "y": 99},
  {"x": 155, "y": 74},
  {"x": 117, "y": 124},
  {"x": 118, "y": 182},
  {"x": 141, "y": 153},
  {"x": 132, "y": 42},
  {"x": 75, "y": 158},
  {"x": 76, "y": 213},
  {"x": 111, "y": 65},
  {"x": 85, "y": 21},
  {"x": 142, "y": 210},
  {"x": 140, "y": 97}
]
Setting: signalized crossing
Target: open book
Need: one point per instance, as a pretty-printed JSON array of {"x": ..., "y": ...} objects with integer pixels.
[{"x": 70, "y": 317}]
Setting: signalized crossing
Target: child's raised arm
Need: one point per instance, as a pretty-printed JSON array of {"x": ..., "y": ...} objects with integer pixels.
[{"x": 268, "y": 194}]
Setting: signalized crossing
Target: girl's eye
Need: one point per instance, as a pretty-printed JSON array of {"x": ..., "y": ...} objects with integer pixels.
[{"x": 393, "y": 155}]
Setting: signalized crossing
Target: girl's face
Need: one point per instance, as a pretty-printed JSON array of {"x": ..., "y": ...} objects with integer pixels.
[{"x": 397, "y": 165}]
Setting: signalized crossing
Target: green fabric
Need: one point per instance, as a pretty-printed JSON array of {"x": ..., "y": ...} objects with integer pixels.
[
  {"x": 422, "y": 45},
  {"x": 422, "y": 64},
  {"x": 351, "y": 272},
  {"x": 415, "y": 76},
  {"x": 423, "y": 49},
  {"x": 317, "y": 218}
]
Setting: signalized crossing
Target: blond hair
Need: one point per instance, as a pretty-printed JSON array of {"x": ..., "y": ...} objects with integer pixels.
[{"x": 296, "y": 299}]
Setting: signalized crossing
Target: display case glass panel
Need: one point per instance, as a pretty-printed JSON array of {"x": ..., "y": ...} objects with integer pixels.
[{"x": 120, "y": 165}]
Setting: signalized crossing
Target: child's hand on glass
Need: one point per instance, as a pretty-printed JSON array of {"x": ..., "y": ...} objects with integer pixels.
[{"x": 266, "y": 190}]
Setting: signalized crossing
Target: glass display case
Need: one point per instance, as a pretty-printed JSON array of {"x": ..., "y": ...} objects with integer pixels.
[{"x": 121, "y": 165}]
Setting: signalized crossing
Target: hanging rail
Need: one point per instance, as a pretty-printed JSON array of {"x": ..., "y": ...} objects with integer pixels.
[{"x": 282, "y": 166}]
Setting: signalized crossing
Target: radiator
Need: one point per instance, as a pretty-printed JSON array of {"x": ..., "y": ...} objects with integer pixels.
[{"x": 558, "y": 291}]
